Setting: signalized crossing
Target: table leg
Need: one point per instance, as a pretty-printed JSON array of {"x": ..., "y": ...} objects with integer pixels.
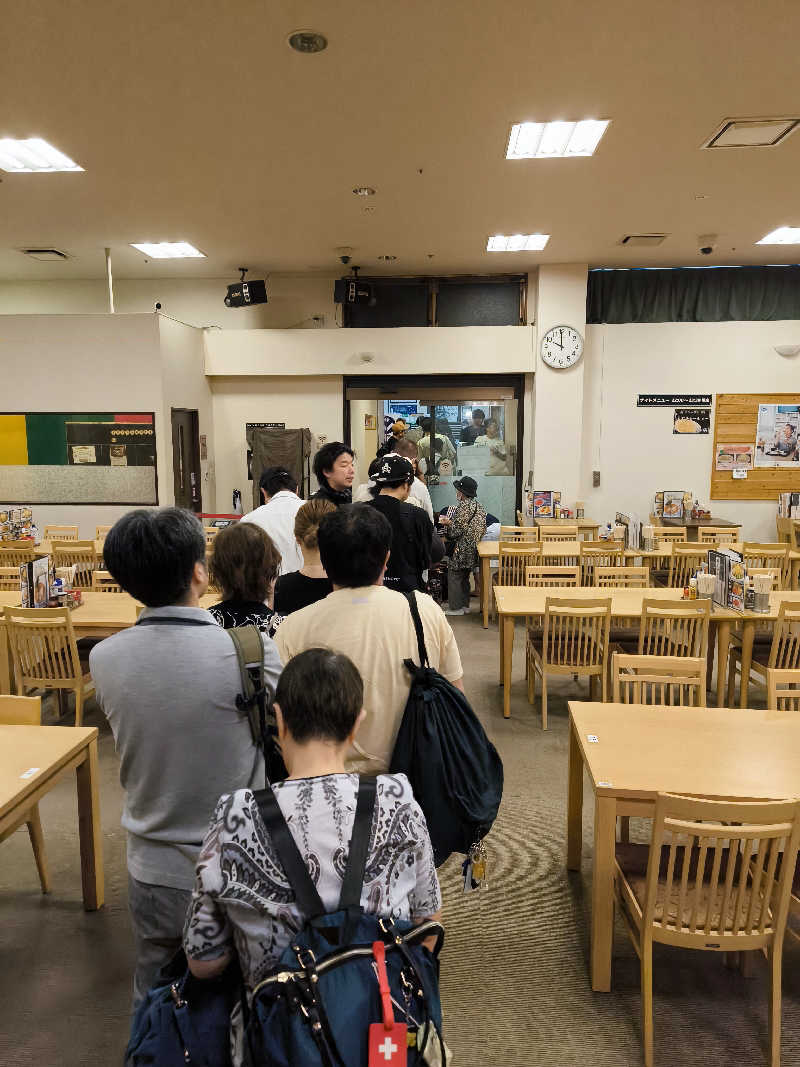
[
  {"x": 574, "y": 802},
  {"x": 712, "y": 647},
  {"x": 605, "y": 822},
  {"x": 748, "y": 634},
  {"x": 89, "y": 829},
  {"x": 723, "y": 644},
  {"x": 5, "y": 661},
  {"x": 486, "y": 582},
  {"x": 508, "y": 652},
  {"x": 794, "y": 567}
]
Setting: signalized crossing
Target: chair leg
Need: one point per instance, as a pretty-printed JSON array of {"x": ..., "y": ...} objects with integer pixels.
[
  {"x": 37, "y": 844},
  {"x": 604, "y": 686},
  {"x": 775, "y": 959},
  {"x": 79, "y": 706},
  {"x": 531, "y": 681},
  {"x": 647, "y": 1001},
  {"x": 731, "y": 680},
  {"x": 544, "y": 700},
  {"x": 624, "y": 829}
]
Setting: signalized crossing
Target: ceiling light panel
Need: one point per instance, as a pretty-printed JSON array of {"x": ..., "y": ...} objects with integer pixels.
[
  {"x": 555, "y": 140},
  {"x": 752, "y": 133},
  {"x": 784, "y": 235},
  {"x": 517, "y": 242},
  {"x": 33, "y": 156},
  {"x": 169, "y": 250}
]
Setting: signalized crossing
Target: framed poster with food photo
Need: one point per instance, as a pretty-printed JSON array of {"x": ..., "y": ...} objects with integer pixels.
[{"x": 730, "y": 457}]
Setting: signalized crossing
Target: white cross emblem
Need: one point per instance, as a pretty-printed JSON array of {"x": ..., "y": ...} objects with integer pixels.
[{"x": 388, "y": 1048}]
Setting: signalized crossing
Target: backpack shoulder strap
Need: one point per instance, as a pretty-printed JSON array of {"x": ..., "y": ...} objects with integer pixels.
[
  {"x": 423, "y": 652},
  {"x": 294, "y": 867},
  {"x": 249, "y": 649},
  {"x": 353, "y": 881}
]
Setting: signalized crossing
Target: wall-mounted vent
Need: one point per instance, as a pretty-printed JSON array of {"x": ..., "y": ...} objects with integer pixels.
[
  {"x": 45, "y": 255},
  {"x": 643, "y": 240},
  {"x": 752, "y": 133}
]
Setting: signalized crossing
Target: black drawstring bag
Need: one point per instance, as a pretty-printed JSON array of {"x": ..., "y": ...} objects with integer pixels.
[{"x": 454, "y": 769}]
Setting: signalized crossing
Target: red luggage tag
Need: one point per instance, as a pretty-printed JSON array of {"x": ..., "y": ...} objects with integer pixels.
[{"x": 388, "y": 1041}]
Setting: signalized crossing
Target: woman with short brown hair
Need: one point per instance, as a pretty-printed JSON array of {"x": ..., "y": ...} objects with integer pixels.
[
  {"x": 243, "y": 567},
  {"x": 310, "y": 584}
]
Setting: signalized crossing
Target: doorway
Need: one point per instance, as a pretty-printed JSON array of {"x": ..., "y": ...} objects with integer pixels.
[
  {"x": 186, "y": 459},
  {"x": 462, "y": 426}
]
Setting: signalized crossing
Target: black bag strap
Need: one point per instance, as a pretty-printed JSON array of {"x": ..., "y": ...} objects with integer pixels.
[
  {"x": 423, "y": 652},
  {"x": 294, "y": 867}
]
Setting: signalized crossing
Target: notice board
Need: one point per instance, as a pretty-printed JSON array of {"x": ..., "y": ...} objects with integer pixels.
[
  {"x": 736, "y": 422},
  {"x": 51, "y": 457}
]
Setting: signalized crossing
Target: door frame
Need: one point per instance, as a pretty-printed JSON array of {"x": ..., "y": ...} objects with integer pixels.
[{"x": 195, "y": 447}]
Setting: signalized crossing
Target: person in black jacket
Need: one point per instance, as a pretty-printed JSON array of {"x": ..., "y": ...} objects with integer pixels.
[
  {"x": 333, "y": 467},
  {"x": 412, "y": 530}
]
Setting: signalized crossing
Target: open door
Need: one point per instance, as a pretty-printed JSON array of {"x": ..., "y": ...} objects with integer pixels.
[{"x": 186, "y": 459}]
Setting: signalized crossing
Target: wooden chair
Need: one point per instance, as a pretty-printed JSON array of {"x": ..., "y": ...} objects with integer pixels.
[
  {"x": 27, "y": 711},
  {"x": 82, "y": 554},
  {"x": 520, "y": 518},
  {"x": 61, "y": 533},
  {"x": 775, "y": 574},
  {"x": 622, "y": 577},
  {"x": 595, "y": 554},
  {"x": 15, "y": 553},
  {"x": 670, "y": 533},
  {"x": 718, "y": 535},
  {"x": 783, "y": 652},
  {"x": 574, "y": 641},
  {"x": 519, "y": 533},
  {"x": 104, "y": 582},
  {"x": 552, "y": 576},
  {"x": 210, "y": 532},
  {"x": 9, "y": 578},
  {"x": 558, "y": 533},
  {"x": 513, "y": 558},
  {"x": 708, "y": 881},
  {"x": 794, "y": 535},
  {"x": 755, "y": 554},
  {"x": 100, "y": 532},
  {"x": 678, "y": 681},
  {"x": 674, "y": 628},
  {"x": 45, "y": 653},
  {"x": 684, "y": 563},
  {"x": 783, "y": 690}
]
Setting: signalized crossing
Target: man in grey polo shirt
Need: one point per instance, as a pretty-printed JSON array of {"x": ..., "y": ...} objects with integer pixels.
[{"x": 168, "y": 687}]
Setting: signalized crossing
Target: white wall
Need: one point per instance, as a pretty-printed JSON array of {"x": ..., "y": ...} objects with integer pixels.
[
  {"x": 315, "y": 402},
  {"x": 635, "y": 449}
]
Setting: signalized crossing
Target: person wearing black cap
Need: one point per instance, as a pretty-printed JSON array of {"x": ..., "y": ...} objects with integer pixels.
[
  {"x": 463, "y": 531},
  {"x": 412, "y": 530}
]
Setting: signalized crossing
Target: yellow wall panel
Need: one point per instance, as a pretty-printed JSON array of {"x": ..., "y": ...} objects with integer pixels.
[{"x": 13, "y": 440}]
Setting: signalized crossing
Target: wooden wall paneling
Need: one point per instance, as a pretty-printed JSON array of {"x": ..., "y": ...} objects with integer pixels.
[{"x": 735, "y": 422}]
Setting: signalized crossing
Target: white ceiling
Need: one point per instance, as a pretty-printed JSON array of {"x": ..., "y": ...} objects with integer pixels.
[{"x": 195, "y": 121}]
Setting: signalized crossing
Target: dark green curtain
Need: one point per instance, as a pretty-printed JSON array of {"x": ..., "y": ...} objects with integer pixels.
[{"x": 708, "y": 294}]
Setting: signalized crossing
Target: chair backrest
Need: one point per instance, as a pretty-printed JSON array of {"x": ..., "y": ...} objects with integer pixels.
[
  {"x": 20, "y": 711},
  {"x": 678, "y": 681},
  {"x": 674, "y": 628},
  {"x": 595, "y": 554},
  {"x": 718, "y": 535},
  {"x": 100, "y": 532},
  {"x": 775, "y": 554},
  {"x": 775, "y": 574},
  {"x": 684, "y": 562},
  {"x": 669, "y": 533},
  {"x": 513, "y": 558},
  {"x": 210, "y": 532},
  {"x": 718, "y": 871},
  {"x": 552, "y": 576},
  {"x": 794, "y": 535},
  {"x": 622, "y": 577},
  {"x": 9, "y": 578},
  {"x": 61, "y": 533},
  {"x": 14, "y": 557},
  {"x": 783, "y": 689},
  {"x": 43, "y": 646},
  {"x": 519, "y": 533},
  {"x": 520, "y": 518},
  {"x": 81, "y": 553},
  {"x": 104, "y": 582},
  {"x": 784, "y": 652},
  {"x": 558, "y": 533},
  {"x": 576, "y": 632}
]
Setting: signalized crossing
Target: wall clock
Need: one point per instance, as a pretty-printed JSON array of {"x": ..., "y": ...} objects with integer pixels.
[{"x": 562, "y": 347}]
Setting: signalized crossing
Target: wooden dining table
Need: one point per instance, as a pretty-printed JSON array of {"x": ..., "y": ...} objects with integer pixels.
[
  {"x": 632, "y": 752},
  {"x": 586, "y": 527}
]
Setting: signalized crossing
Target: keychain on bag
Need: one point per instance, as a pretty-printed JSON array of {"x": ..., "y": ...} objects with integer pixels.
[{"x": 474, "y": 867}]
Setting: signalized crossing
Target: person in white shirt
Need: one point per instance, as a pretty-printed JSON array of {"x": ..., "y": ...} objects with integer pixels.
[
  {"x": 276, "y": 515},
  {"x": 491, "y": 439}
]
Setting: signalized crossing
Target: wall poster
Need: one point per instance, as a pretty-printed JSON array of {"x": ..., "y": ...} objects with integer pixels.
[
  {"x": 691, "y": 420},
  {"x": 777, "y": 432},
  {"x": 730, "y": 457}
]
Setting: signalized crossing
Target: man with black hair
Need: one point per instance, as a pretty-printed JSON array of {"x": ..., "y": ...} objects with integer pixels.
[
  {"x": 470, "y": 431},
  {"x": 168, "y": 687},
  {"x": 372, "y": 625},
  {"x": 334, "y": 470},
  {"x": 276, "y": 515}
]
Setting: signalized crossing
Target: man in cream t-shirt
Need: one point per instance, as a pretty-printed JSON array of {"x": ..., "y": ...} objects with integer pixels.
[{"x": 371, "y": 625}]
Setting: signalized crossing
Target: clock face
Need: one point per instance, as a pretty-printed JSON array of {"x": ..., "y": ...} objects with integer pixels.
[{"x": 562, "y": 347}]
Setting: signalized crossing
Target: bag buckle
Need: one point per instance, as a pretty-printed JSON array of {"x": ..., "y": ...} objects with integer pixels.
[
  {"x": 305, "y": 957},
  {"x": 176, "y": 996}
]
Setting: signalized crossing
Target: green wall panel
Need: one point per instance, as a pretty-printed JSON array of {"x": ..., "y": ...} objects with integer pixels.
[{"x": 47, "y": 438}]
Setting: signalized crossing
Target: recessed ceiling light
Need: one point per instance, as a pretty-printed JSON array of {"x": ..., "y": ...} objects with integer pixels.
[
  {"x": 169, "y": 250},
  {"x": 518, "y": 242},
  {"x": 45, "y": 255},
  {"x": 784, "y": 235},
  {"x": 751, "y": 133},
  {"x": 308, "y": 41},
  {"x": 364, "y": 190},
  {"x": 643, "y": 240},
  {"x": 33, "y": 156},
  {"x": 550, "y": 140},
  {"x": 387, "y": 259}
]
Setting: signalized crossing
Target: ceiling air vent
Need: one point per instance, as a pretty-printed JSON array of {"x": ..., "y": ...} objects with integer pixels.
[
  {"x": 643, "y": 240},
  {"x": 752, "y": 133},
  {"x": 45, "y": 255}
]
